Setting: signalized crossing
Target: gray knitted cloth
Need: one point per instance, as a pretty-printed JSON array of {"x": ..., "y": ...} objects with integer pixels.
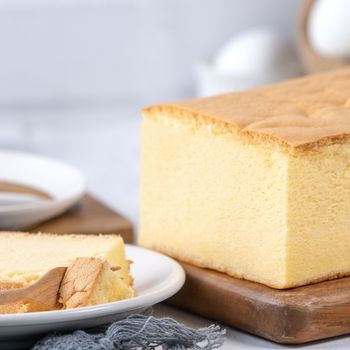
[{"x": 137, "y": 332}]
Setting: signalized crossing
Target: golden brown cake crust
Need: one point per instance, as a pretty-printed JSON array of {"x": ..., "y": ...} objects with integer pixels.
[
  {"x": 79, "y": 281},
  {"x": 298, "y": 114}
]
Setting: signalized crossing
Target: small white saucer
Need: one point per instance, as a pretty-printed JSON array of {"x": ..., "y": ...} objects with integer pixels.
[{"x": 63, "y": 183}]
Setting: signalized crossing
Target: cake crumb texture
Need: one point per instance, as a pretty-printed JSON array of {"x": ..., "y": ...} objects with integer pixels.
[{"x": 219, "y": 190}]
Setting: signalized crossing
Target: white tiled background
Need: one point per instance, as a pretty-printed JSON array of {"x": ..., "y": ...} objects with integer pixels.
[{"x": 75, "y": 73}]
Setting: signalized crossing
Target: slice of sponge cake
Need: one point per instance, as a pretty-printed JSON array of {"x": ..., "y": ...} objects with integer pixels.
[
  {"x": 98, "y": 271},
  {"x": 254, "y": 184},
  {"x": 91, "y": 281}
]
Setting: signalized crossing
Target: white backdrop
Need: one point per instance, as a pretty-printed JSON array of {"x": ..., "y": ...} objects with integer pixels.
[
  {"x": 74, "y": 74},
  {"x": 103, "y": 51}
]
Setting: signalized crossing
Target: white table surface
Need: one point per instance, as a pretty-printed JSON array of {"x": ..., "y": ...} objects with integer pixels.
[
  {"x": 236, "y": 339},
  {"x": 104, "y": 144}
]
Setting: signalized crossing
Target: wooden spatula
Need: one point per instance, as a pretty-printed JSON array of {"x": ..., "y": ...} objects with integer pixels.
[{"x": 44, "y": 292}]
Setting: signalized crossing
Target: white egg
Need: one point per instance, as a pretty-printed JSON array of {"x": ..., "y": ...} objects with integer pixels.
[
  {"x": 329, "y": 28},
  {"x": 258, "y": 52}
]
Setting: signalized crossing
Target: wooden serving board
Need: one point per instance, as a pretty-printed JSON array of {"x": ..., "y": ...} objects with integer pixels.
[
  {"x": 89, "y": 217},
  {"x": 291, "y": 316}
]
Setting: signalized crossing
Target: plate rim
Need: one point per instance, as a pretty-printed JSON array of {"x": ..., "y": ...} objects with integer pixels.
[
  {"x": 100, "y": 310},
  {"x": 78, "y": 194}
]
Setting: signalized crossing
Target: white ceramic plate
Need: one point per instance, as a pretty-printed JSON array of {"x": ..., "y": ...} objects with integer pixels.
[
  {"x": 64, "y": 183},
  {"x": 157, "y": 277}
]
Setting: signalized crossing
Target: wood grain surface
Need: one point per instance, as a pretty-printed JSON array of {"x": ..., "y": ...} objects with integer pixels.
[
  {"x": 89, "y": 217},
  {"x": 291, "y": 316},
  {"x": 43, "y": 292}
]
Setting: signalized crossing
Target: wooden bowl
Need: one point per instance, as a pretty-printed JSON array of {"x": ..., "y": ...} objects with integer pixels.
[{"x": 313, "y": 61}]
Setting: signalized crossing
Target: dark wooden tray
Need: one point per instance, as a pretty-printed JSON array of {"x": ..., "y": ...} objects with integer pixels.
[
  {"x": 89, "y": 216},
  {"x": 292, "y": 316}
]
